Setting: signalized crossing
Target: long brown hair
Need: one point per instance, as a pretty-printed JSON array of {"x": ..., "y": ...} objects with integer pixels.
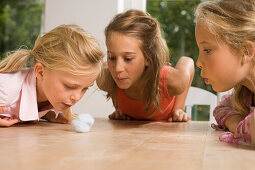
[{"x": 142, "y": 26}]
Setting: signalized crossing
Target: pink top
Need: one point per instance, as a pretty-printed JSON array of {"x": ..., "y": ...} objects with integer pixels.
[
  {"x": 134, "y": 108},
  {"x": 18, "y": 91},
  {"x": 225, "y": 109}
]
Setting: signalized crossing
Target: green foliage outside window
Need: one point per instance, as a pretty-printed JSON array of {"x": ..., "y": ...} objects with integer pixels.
[
  {"x": 20, "y": 24},
  {"x": 177, "y": 21}
]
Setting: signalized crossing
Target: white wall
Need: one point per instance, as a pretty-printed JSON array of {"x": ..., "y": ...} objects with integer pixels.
[
  {"x": 93, "y": 16},
  {"x": 198, "y": 96}
]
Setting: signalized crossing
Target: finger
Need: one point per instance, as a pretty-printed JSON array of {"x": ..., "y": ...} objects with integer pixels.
[
  {"x": 176, "y": 116},
  {"x": 8, "y": 122},
  {"x": 125, "y": 117},
  {"x": 74, "y": 115},
  {"x": 170, "y": 119},
  {"x": 128, "y": 118},
  {"x": 112, "y": 116},
  {"x": 4, "y": 109},
  {"x": 61, "y": 119},
  {"x": 180, "y": 117},
  {"x": 119, "y": 116},
  {"x": 185, "y": 118}
]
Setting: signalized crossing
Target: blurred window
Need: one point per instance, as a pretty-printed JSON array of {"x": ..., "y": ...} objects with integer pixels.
[
  {"x": 177, "y": 21},
  {"x": 20, "y": 24}
]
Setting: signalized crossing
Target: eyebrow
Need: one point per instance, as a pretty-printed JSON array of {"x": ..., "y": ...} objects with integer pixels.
[
  {"x": 76, "y": 85},
  {"x": 204, "y": 42},
  {"x": 123, "y": 52}
]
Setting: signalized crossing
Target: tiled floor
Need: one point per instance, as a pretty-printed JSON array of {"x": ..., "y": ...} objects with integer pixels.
[{"x": 120, "y": 145}]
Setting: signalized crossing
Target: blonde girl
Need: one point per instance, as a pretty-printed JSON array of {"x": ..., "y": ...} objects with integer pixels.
[
  {"x": 138, "y": 77},
  {"x": 225, "y": 34},
  {"x": 63, "y": 64}
]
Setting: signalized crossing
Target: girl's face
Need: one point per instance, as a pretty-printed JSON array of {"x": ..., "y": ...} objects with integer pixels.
[
  {"x": 60, "y": 88},
  {"x": 220, "y": 66},
  {"x": 125, "y": 60}
]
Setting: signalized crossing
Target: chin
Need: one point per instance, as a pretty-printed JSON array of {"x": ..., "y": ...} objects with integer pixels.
[
  {"x": 220, "y": 89},
  {"x": 59, "y": 108},
  {"x": 124, "y": 87}
]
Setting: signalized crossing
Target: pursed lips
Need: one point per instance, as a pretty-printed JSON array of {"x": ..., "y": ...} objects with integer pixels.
[
  {"x": 68, "y": 105},
  {"x": 205, "y": 79}
]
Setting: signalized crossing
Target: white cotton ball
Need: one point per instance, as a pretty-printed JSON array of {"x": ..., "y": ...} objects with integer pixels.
[{"x": 83, "y": 122}]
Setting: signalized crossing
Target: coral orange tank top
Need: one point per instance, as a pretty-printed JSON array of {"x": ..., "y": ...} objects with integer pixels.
[{"x": 134, "y": 108}]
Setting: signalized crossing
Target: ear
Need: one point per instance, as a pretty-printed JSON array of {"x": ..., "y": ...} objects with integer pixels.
[
  {"x": 249, "y": 51},
  {"x": 146, "y": 62},
  {"x": 39, "y": 70}
]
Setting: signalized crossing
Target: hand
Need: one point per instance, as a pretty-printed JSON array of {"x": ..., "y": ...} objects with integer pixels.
[
  {"x": 4, "y": 109},
  {"x": 244, "y": 134},
  {"x": 178, "y": 115},
  {"x": 8, "y": 121},
  {"x": 118, "y": 115},
  {"x": 51, "y": 117}
]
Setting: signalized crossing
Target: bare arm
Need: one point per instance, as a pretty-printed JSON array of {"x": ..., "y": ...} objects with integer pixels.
[
  {"x": 185, "y": 71},
  {"x": 180, "y": 77},
  {"x": 226, "y": 116},
  {"x": 232, "y": 122}
]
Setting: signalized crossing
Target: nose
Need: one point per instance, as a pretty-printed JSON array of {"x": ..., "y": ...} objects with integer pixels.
[
  {"x": 76, "y": 96},
  {"x": 198, "y": 63},
  {"x": 119, "y": 66}
]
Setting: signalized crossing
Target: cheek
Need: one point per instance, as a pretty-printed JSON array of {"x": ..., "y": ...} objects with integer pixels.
[
  {"x": 110, "y": 66},
  {"x": 137, "y": 70},
  {"x": 55, "y": 89},
  {"x": 214, "y": 65}
]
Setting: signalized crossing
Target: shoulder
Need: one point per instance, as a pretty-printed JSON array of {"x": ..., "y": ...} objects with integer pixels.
[
  {"x": 105, "y": 81},
  {"x": 164, "y": 71},
  {"x": 176, "y": 81},
  {"x": 11, "y": 84},
  {"x": 15, "y": 76}
]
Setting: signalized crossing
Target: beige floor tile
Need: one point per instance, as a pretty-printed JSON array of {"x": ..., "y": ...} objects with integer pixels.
[{"x": 120, "y": 145}]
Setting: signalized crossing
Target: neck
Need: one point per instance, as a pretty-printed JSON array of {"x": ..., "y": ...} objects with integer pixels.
[
  {"x": 39, "y": 92},
  {"x": 135, "y": 91}
]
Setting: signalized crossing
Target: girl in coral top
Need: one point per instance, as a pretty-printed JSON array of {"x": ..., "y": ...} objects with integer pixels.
[
  {"x": 138, "y": 77},
  {"x": 225, "y": 34},
  {"x": 65, "y": 62}
]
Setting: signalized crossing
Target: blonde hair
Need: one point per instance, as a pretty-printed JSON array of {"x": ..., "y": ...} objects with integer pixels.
[
  {"x": 145, "y": 28},
  {"x": 67, "y": 48},
  {"x": 232, "y": 21}
]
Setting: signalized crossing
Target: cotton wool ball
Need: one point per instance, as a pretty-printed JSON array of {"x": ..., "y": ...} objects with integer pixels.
[{"x": 83, "y": 122}]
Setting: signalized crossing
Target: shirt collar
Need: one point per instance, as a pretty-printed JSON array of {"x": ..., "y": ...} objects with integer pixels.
[{"x": 28, "y": 102}]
